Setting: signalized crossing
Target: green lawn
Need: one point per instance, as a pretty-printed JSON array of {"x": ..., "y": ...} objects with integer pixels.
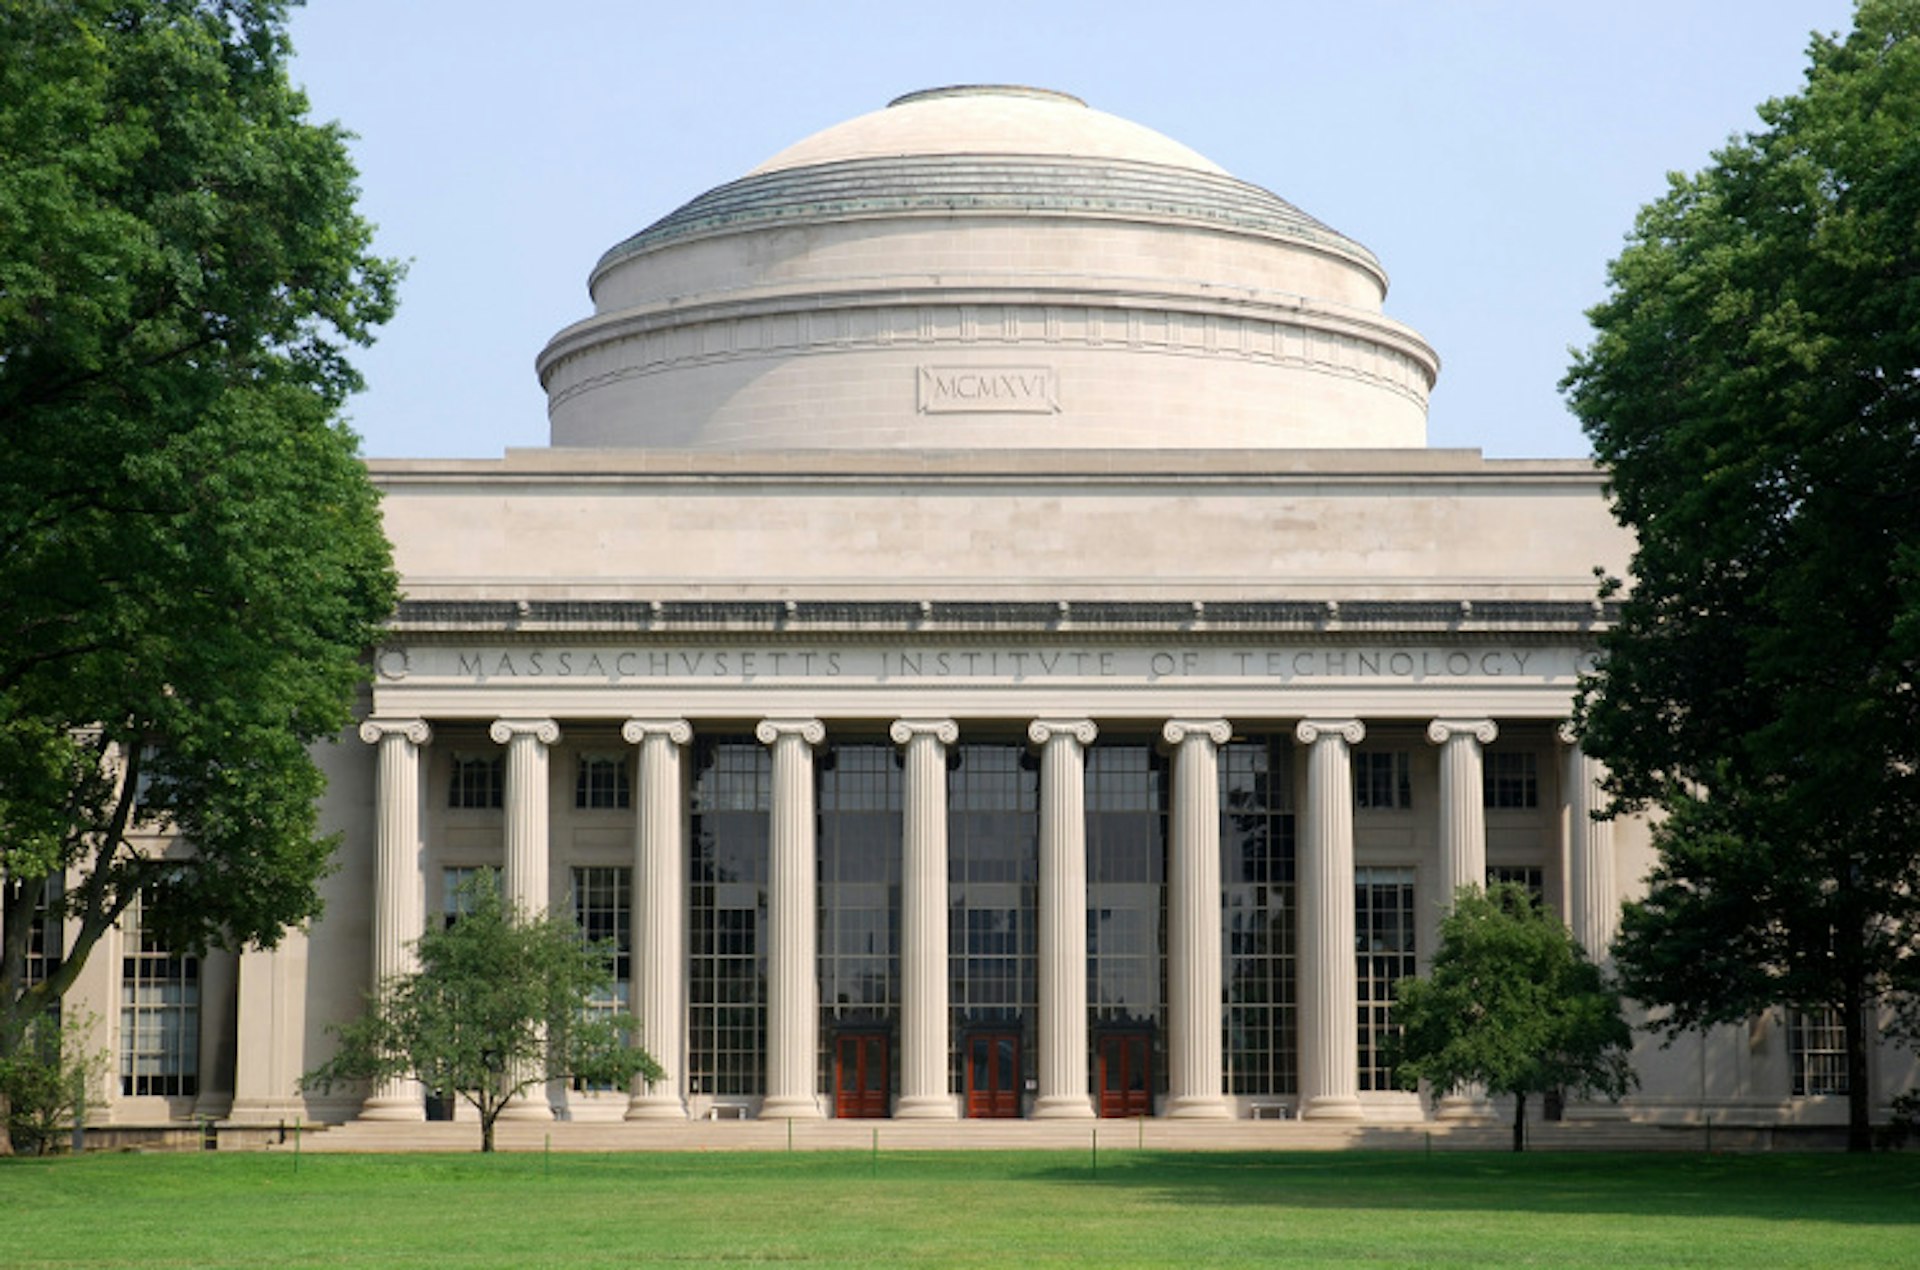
[{"x": 961, "y": 1208}]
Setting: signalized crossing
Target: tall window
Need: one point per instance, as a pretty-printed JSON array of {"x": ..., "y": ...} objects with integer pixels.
[
  {"x": 45, "y": 936},
  {"x": 159, "y": 1012},
  {"x": 454, "y": 899},
  {"x": 1382, "y": 780},
  {"x": 1530, "y": 876},
  {"x": 727, "y": 980},
  {"x": 603, "y": 907},
  {"x": 993, "y": 852},
  {"x": 1817, "y": 1040},
  {"x": 1510, "y": 779},
  {"x": 1126, "y": 790},
  {"x": 601, "y": 783},
  {"x": 1257, "y": 894},
  {"x": 479, "y": 781},
  {"x": 1383, "y": 933},
  {"x": 859, "y": 870}
]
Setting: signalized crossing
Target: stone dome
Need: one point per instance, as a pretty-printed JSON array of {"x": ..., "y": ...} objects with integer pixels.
[{"x": 987, "y": 267}]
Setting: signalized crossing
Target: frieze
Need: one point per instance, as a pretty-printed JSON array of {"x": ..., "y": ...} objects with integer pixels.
[{"x": 753, "y": 664}]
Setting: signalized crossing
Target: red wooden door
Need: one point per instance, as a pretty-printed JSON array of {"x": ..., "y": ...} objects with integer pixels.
[
  {"x": 1125, "y": 1076},
  {"x": 860, "y": 1076},
  {"x": 993, "y": 1076}
]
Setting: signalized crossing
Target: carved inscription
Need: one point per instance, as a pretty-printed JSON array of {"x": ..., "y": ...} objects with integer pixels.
[{"x": 988, "y": 390}]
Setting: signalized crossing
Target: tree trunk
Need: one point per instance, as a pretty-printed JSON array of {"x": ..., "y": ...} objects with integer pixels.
[
  {"x": 1853, "y": 1015},
  {"x": 1520, "y": 1121},
  {"x": 6, "y": 1114},
  {"x": 486, "y": 1132}
]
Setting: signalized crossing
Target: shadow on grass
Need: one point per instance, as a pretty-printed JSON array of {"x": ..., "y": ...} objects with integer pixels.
[{"x": 1881, "y": 1190}]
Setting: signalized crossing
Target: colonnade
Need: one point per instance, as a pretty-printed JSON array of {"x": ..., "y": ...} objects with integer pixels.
[{"x": 1328, "y": 1001}]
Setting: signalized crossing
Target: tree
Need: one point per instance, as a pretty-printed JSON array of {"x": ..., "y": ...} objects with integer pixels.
[
  {"x": 498, "y": 1006},
  {"x": 47, "y": 1078},
  {"x": 1513, "y": 1004},
  {"x": 1752, "y": 391},
  {"x": 191, "y": 558}
]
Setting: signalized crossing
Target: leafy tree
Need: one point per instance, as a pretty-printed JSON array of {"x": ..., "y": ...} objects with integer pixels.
[
  {"x": 191, "y": 559},
  {"x": 46, "y": 1080},
  {"x": 498, "y": 1006},
  {"x": 1513, "y": 1004},
  {"x": 1752, "y": 391}
]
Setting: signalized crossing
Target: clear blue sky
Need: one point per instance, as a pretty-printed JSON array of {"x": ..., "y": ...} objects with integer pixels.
[{"x": 1491, "y": 153}]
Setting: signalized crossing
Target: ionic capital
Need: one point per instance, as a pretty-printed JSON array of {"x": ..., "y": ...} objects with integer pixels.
[
  {"x": 812, "y": 731},
  {"x": 545, "y": 731},
  {"x": 1440, "y": 731},
  {"x": 1352, "y": 731},
  {"x": 1040, "y": 731},
  {"x": 946, "y": 731},
  {"x": 375, "y": 730},
  {"x": 1219, "y": 731},
  {"x": 634, "y": 731}
]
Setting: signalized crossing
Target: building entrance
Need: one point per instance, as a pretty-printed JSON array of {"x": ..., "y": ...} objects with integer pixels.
[
  {"x": 860, "y": 1075},
  {"x": 1123, "y": 1076},
  {"x": 993, "y": 1076}
]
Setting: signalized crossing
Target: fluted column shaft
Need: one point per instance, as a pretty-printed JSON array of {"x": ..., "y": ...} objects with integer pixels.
[
  {"x": 525, "y": 877},
  {"x": 1463, "y": 816},
  {"x": 1593, "y": 903},
  {"x": 1063, "y": 918},
  {"x": 399, "y": 909},
  {"x": 924, "y": 1044},
  {"x": 659, "y": 915},
  {"x": 1463, "y": 849},
  {"x": 793, "y": 1015},
  {"x": 1194, "y": 1089},
  {"x": 1329, "y": 992}
]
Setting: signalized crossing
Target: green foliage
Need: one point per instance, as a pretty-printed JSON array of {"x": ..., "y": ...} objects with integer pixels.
[
  {"x": 497, "y": 1007},
  {"x": 191, "y": 558},
  {"x": 46, "y": 1079},
  {"x": 1752, "y": 389},
  {"x": 1511, "y": 1003}
]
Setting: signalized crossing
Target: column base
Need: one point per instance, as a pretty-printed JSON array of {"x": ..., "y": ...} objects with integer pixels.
[
  {"x": 393, "y": 1110},
  {"x": 656, "y": 1107},
  {"x": 1332, "y": 1107},
  {"x": 1063, "y": 1107},
  {"x": 788, "y": 1108},
  {"x": 527, "y": 1108},
  {"x": 926, "y": 1107},
  {"x": 1196, "y": 1107}
]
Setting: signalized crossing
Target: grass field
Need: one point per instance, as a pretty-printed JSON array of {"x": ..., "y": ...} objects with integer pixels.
[{"x": 961, "y": 1208}]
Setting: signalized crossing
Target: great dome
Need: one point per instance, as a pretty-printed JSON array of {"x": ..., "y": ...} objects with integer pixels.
[{"x": 987, "y": 267}]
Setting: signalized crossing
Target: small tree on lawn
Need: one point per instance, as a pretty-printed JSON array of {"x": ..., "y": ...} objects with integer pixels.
[
  {"x": 1511, "y": 1003},
  {"x": 499, "y": 1006},
  {"x": 46, "y": 1079}
]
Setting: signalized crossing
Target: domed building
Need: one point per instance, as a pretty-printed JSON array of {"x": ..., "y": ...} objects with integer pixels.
[{"x": 989, "y": 640}]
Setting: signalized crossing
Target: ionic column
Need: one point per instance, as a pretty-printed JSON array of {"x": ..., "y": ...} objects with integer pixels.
[
  {"x": 525, "y": 877},
  {"x": 924, "y": 1046},
  {"x": 1463, "y": 849},
  {"x": 1463, "y": 816},
  {"x": 1194, "y": 1088},
  {"x": 659, "y": 915},
  {"x": 399, "y": 906},
  {"x": 1329, "y": 991},
  {"x": 1063, "y": 918},
  {"x": 1593, "y": 905},
  {"x": 793, "y": 986}
]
